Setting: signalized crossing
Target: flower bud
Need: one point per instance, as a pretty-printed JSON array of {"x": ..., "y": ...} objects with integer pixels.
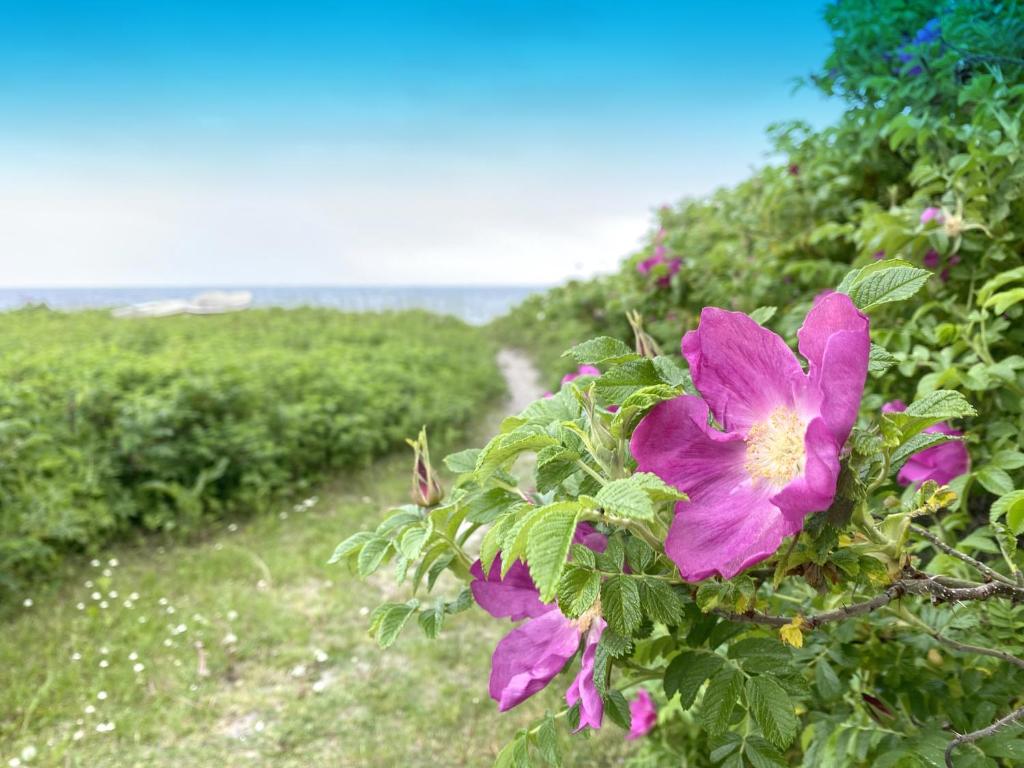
[{"x": 426, "y": 488}]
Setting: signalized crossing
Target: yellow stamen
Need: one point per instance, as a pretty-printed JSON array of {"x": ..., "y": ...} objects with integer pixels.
[
  {"x": 775, "y": 447},
  {"x": 588, "y": 616}
]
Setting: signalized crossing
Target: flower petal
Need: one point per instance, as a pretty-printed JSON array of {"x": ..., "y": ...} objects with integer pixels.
[
  {"x": 836, "y": 342},
  {"x": 529, "y": 656},
  {"x": 586, "y": 535},
  {"x": 676, "y": 443},
  {"x": 940, "y": 463},
  {"x": 582, "y": 688},
  {"x": 515, "y": 596},
  {"x": 743, "y": 370},
  {"x": 814, "y": 490},
  {"x": 643, "y": 715},
  {"x": 725, "y": 532}
]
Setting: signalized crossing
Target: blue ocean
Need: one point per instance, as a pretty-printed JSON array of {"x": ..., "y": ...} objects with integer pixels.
[{"x": 474, "y": 304}]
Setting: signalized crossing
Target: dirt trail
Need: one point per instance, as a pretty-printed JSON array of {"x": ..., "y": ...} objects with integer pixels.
[{"x": 523, "y": 379}]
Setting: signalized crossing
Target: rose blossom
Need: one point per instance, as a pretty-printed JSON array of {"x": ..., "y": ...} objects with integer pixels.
[
  {"x": 777, "y": 457},
  {"x": 940, "y": 463}
]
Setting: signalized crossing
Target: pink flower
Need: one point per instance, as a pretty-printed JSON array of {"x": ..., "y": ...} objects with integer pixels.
[
  {"x": 932, "y": 213},
  {"x": 643, "y": 715},
  {"x": 940, "y": 463},
  {"x": 878, "y": 255},
  {"x": 931, "y": 259},
  {"x": 530, "y": 656},
  {"x": 583, "y": 370},
  {"x": 751, "y": 485}
]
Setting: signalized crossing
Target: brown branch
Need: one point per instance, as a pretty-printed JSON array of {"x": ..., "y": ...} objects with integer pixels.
[
  {"x": 919, "y": 585},
  {"x": 944, "y": 547},
  {"x": 969, "y": 738},
  {"x": 1009, "y": 658}
]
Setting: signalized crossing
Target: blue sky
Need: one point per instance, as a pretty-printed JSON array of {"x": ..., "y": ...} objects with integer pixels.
[{"x": 412, "y": 142}]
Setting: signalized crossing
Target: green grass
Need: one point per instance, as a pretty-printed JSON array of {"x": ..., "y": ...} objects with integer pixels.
[{"x": 269, "y": 698}]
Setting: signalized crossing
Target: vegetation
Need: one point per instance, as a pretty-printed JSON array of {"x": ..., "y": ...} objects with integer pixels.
[
  {"x": 886, "y": 632},
  {"x": 108, "y": 425}
]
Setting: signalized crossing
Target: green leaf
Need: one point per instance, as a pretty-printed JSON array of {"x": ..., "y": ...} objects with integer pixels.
[
  {"x": 602, "y": 350},
  {"x": 413, "y": 540},
  {"x": 688, "y": 671},
  {"x": 773, "y": 710},
  {"x": 504, "y": 448},
  {"x": 371, "y": 555},
  {"x": 880, "y": 360},
  {"x": 626, "y": 499},
  {"x": 623, "y": 380},
  {"x": 1012, "y": 506},
  {"x": 761, "y": 654},
  {"x": 350, "y": 546},
  {"x": 431, "y": 621},
  {"x": 762, "y": 315},
  {"x": 660, "y": 602},
  {"x": 827, "y": 681},
  {"x": 639, "y": 554},
  {"x": 634, "y": 407},
  {"x": 462, "y": 462},
  {"x": 761, "y": 754},
  {"x": 485, "y": 507},
  {"x": 885, "y": 282},
  {"x": 401, "y": 517},
  {"x": 548, "y": 545},
  {"x": 392, "y": 617},
  {"x": 720, "y": 698},
  {"x": 577, "y": 590},
  {"x": 940, "y": 405},
  {"x": 1004, "y": 300},
  {"x": 995, "y": 480},
  {"x": 917, "y": 443},
  {"x": 491, "y": 543},
  {"x": 617, "y": 708},
  {"x": 620, "y": 603},
  {"x": 547, "y": 743}
]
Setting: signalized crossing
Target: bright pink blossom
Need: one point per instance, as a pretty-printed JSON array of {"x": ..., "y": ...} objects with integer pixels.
[
  {"x": 530, "y": 656},
  {"x": 643, "y": 715},
  {"x": 940, "y": 463},
  {"x": 931, "y": 213},
  {"x": 777, "y": 459}
]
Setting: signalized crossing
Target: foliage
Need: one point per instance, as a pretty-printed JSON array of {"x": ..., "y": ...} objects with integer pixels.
[
  {"x": 893, "y": 623},
  {"x": 107, "y": 424}
]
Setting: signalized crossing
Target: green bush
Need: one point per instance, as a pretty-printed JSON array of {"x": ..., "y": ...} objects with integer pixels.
[{"x": 162, "y": 423}]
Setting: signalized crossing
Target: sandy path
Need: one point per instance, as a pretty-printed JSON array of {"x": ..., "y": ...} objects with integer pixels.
[{"x": 523, "y": 380}]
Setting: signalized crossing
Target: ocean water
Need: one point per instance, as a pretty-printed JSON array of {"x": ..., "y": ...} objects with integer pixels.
[{"x": 474, "y": 304}]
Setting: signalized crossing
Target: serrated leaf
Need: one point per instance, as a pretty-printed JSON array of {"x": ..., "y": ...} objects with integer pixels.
[
  {"x": 720, "y": 698},
  {"x": 623, "y": 380},
  {"x": 577, "y": 590},
  {"x": 547, "y": 545},
  {"x": 547, "y": 743},
  {"x": 485, "y": 507},
  {"x": 414, "y": 539},
  {"x": 826, "y": 680},
  {"x": 371, "y": 555},
  {"x": 761, "y": 654},
  {"x": 350, "y": 546},
  {"x": 687, "y": 672},
  {"x": 620, "y": 604},
  {"x": 462, "y": 462},
  {"x": 626, "y": 499},
  {"x": 761, "y": 754},
  {"x": 392, "y": 621},
  {"x": 602, "y": 350},
  {"x": 491, "y": 543},
  {"x": 504, "y": 448},
  {"x": 1012, "y": 506},
  {"x": 773, "y": 710},
  {"x": 431, "y": 621},
  {"x": 919, "y": 442},
  {"x": 995, "y": 480},
  {"x": 880, "y": 360},
  {"x": 884, "y": 282},
  {"x": 617, "y": 709},
  {"x": 660, "y": 602}
]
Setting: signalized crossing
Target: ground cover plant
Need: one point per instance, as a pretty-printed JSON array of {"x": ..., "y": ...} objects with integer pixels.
[
  {"x": 745, "y": 557},
  {"x": 109, "y": 425}
]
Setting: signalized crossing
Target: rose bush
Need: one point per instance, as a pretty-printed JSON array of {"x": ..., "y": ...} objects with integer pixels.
[{"x": 794, "y": 569}]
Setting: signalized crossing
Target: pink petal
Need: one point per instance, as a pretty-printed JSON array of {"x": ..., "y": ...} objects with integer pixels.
[
  {"x": 940, "y": 463},
  {"x": 582, "y": 688},
  {"x": 728, "y": 524},
  {"x": 529, "y": 656},
  {"x": 835, "y": 340},
  {"x": 590, "y": 538},
  {"x": 643, "y": 715},
  {"x": 814, "y": 490},
  {"x": 743, "y": 370},
  {"x": 583, "y": 370},
  {"x": 515, "y": 596}
]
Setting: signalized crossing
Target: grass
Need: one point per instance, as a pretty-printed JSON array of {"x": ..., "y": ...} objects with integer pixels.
[{"x": 285, "y": 675}]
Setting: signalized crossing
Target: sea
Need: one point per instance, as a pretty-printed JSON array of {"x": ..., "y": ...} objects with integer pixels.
[{"x": 474, "y": 304}]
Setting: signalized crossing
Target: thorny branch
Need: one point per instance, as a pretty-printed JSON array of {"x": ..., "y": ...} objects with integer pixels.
[
  {"x": 944, "y": 547},
  {"x": 969, "y": 738}
]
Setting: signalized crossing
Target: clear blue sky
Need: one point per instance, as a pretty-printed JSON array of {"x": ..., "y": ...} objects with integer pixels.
[{"x": 416, "y": 142}]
